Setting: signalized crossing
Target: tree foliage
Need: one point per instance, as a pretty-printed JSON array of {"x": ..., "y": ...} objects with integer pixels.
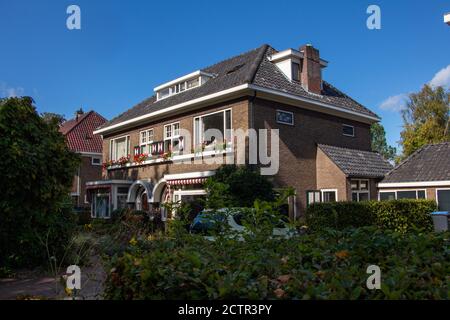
[
  {"x": 426, "y": 119},
  {"x": 37, "y": 170},
  {"x": 237, "y": 186},
  {"x": 53, "y": 117},
  {"x": 379, "y": 143}
]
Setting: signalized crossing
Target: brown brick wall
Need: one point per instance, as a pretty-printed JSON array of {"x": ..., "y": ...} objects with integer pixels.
[
  {"x": 298, "y": 146},
  {"x": 87, "y": 172},
  {"x": 329, "y": 176}
]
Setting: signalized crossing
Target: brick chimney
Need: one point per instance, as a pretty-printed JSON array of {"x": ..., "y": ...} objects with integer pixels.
[
  {"x": 311, "y": 71},
  {"x": 78, "y": 113}
]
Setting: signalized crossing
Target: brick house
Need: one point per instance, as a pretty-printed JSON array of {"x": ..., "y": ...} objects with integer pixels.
[
  {"x": 260, "y": 89},
  {"x": 80, "y": 139},
  {"x": 423, "y": 175}
]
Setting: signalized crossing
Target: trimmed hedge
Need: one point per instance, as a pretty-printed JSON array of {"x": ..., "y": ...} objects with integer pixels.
[
  {"x": 328, "y": 264},
  {"x": 399, "y": 215}
]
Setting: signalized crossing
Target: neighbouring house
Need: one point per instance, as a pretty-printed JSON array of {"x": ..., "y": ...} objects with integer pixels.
[
  {"x": 80, "y": 139},
  {"x": 324, "y": 135},
  {"x": 423, "y": 175}
]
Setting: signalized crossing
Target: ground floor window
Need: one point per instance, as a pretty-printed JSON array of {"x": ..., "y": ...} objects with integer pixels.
[
  {"x": 443, "y": 199},
  {"x": 313, "y": 196},
  {"x": 329, "y": 195},
  {"x": 101, "y": 205},
  {"x": 402, "y": 194},
  {"x": 360, "y": 189}
]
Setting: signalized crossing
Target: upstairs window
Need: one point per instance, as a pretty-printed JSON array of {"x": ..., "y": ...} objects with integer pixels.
[
  {"x": 96, "y": 161},
  {"x": 348, "y": 130},
  {"x": 146, "y": 139},
  {"x": 119, "y": 147},
  {"x": 220, "y": 121},
  {"x": 173, "y": 142}
]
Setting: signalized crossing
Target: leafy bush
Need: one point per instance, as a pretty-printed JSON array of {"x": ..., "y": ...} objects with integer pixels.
[
  {"x": 400, "y": 215},
  {"x": 325, "y": 265},
  {"x": 237, "y": 186},
  {"x": 37, "y": 168}
]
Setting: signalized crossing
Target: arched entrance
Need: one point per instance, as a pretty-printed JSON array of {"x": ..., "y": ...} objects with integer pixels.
[{"x": 140, "y": 195}]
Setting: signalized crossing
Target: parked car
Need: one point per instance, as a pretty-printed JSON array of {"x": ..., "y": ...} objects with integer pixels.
[{"x": 210, "y": 221}]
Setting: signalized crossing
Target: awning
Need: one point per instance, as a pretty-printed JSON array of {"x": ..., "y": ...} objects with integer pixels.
[{"x": 179, "y": 182}]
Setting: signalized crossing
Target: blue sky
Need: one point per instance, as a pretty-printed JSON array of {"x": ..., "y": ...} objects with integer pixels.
[{"x": 126, "y": 48}]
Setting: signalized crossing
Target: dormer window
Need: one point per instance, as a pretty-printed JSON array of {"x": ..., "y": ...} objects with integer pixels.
[
  {"x": 184, "y": 83},
  {"x": 295, "y": 71}
]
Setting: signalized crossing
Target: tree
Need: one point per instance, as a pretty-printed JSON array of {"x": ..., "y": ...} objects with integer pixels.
[
  {"x": 49, "y": 117},
  {"x": 379, "y": 143},
  {"x": 37, "y": 170},
  {"x": 426, "y": 119},
  {"x": 237, "y": 186}
]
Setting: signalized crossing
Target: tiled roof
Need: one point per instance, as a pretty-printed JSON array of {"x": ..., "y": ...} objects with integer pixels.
[
  {"x": 252, "y": 67},
  {"x": 79, "y": 132},
  {"x": 429, "y": 163},
  {"x": 357, "y": 163}
]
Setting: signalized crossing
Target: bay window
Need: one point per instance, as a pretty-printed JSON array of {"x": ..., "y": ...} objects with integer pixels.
[{"x": 220, "y": 121}]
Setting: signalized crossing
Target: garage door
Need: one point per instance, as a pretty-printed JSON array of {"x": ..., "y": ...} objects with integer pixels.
[{"x": 443, "y": 199}]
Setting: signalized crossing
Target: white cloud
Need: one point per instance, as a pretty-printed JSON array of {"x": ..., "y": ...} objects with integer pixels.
[
  {"x": 442, "y": 78},
  {"x": 394, "y": 103},
  {"x": 9, "y": 92}
]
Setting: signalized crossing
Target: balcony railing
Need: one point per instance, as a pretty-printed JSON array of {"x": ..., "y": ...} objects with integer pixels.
[{"x": 158, "y": 155}]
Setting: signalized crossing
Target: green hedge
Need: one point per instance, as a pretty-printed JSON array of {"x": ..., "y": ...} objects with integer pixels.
[
  {"x": 328, "y": 264},
  {"x": 400, "y": 215}
]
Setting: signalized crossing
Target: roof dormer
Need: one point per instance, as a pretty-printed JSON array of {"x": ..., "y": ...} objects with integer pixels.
[{"x": 187, "y": 82}]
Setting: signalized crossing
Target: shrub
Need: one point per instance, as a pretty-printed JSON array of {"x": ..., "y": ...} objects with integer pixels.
[
  {"x": 325, "y": 265},
  {"x": 400, "y": 215}
]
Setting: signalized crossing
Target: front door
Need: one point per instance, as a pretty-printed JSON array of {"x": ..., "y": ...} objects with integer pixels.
[{"x": 443, "y": 199}]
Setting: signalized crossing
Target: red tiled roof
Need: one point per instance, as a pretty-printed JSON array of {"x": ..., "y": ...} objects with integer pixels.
[{"x": 79, "y": 132}]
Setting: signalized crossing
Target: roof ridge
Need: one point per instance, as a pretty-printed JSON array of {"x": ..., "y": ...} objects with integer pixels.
[
  {"x": 330, "y": 145},
  {"x": 232, "y": 57},
  {"x": 85, "y": 115}
]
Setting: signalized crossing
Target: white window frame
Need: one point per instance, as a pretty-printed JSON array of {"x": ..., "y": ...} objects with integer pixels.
[
  {"x": 147, "y": 142},
  {"x": 173, "y": 136},
  {"x": 348, "y": 125},
  {"x": 197, "y": 140},
  {"x": 282, "y": 122},
  {"x": 178, "y": 194},
  {"x": 328, "y": 190},
  {"x": 359, "y": 188},
  {"x": 112, "y": 142},
  {"x": 176, "y": 88},
  {"x": 436, "y": 194},
  {"x": 397, "y": 190},
  {"x": 98, "y": 158}
]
